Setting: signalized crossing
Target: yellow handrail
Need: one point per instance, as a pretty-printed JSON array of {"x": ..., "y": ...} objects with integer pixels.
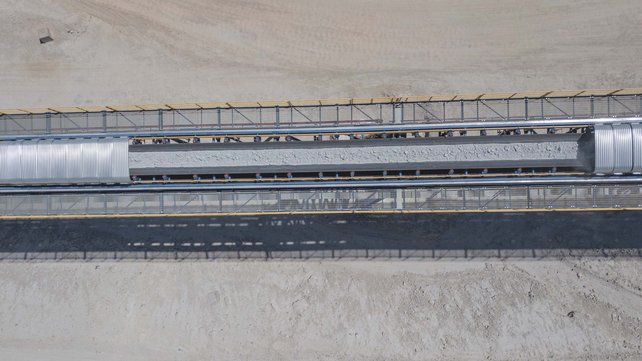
[{"x": 316, "y": 102}]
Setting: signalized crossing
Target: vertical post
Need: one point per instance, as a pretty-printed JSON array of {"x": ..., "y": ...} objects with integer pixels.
[
  {"x": 573, "y": 106},
  {"x": 541, "y": 104},
  {"x": 160, "y": 119},
  {"x": 337, "y": 121},
  {"x": 443, "y": 106},
  {"x": 218, "y": 117},
  {"x": 510, "y": 198},
  {"x": 592, "y": 107},
  {"x": 461, "y": 109},
  {"x": 477, "y": 109},
  {"x": 104, "y": 116},
  {"x": 397, "y": 113},
  {"x": 507, "y": 109},
  {"x": 526, "y": 108},
  {"x": 48, "y": 122},
  {"x": 399, "y": 199},
  {"x": 278, "y": 116},
  {"x": 608, "y": 105},
  {"x": 291, "y": 116}
]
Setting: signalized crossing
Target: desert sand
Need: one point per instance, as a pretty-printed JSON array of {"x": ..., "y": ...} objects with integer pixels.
[{"x": 114, "y": 52}]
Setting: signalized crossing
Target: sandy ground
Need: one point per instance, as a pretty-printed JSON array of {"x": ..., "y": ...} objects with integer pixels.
[
  {"x": 326, "y": 311},
  {"x": 122, "y": 51},
  {"x": 466, "y": 287},
  {"x": 563, "y": 306}
]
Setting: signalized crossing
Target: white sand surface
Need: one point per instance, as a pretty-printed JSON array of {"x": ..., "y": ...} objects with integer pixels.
[
  {"x": 124, "y": 51},
  {"x": 321, "y": 311}
]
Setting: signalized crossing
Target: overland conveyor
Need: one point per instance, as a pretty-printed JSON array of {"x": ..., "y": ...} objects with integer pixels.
[
  {"x": 569, "y": 151},
  {"x": 613, "y": 147},
  {"x": 91, "y": 178},
  {"x": 74, "y": 162}
]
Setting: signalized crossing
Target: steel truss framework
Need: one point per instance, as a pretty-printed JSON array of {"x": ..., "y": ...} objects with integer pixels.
[
  {"x": 462, "y": 199},
  {"x": 375, "y": 111}
]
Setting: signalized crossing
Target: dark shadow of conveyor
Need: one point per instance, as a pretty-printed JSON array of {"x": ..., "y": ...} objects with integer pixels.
[{"x": 395, "y": 237}]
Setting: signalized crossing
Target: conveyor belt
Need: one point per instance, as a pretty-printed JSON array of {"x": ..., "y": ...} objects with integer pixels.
[{"x": 470, "y": 152}]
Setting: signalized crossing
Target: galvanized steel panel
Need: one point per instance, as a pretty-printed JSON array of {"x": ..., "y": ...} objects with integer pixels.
[
  {"x": 119, "y": 160},
  {"x": 64, "y": 161},
  {"x": 58, "y": 159},
  {"x": 604, "y": 149},
  {"x": 29, "y": 160},
  {"x": 3, "y": 158},
  {"x": 12, "y": 171},
  {"x": 636, "y": 131},
  {"x": 89, "y": 168},
  {"x": 623, "y": 149},
  {"x": 43, "y": 168},
  {"x": 104, "y": 160},
  {"x": 74, "y": 161}
]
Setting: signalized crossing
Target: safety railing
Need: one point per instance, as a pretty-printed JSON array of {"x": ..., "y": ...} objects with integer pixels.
[
  {"x": 470, "y": 199},
  {"x": 327, "y": 112}
]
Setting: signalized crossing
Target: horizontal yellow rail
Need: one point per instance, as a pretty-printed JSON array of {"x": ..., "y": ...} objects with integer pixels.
[
  {"x": 336, "y": 101},
  {"x": 314, "y": 212}
]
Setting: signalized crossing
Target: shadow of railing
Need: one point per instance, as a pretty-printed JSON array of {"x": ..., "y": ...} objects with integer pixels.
[{"x": 415, "y": 236}]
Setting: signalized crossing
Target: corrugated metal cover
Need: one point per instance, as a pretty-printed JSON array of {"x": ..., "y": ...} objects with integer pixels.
[
  {"x": 604, "y": 149},
  {"x": 623, "y": 149},
  {"x": 44, "y": 167},
  {"x": 73, "y": 160},
  {"x": 58, "y": 160},
  {"x": 64, "y": 161},
  {"x": 10, "y": 172},
  {"x": 119, "y": 161},
  {"x": 637, "y": 147}
]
